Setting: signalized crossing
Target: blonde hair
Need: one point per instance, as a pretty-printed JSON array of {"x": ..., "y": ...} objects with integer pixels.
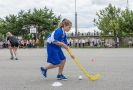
[
  {"x": 65, "y": 22},
  {"x": 8, "y": 34}
]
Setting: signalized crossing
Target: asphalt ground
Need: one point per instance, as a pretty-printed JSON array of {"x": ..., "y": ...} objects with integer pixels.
[{"x": 115, "y": 66}]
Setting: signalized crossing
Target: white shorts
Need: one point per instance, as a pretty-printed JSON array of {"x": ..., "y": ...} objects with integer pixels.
[{"x": 129, "y": 42}]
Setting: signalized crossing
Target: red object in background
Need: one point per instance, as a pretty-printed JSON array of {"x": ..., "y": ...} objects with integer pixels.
[{"x": 92, "y": 60}]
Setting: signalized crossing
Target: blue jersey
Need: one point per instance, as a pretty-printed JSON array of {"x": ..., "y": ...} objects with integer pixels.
[
  {"x": 55, "y": 54},
  {"x": 57, "y": 36}
]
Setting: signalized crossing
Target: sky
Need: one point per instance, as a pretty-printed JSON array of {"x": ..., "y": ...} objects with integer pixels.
[{"x": 86, "y": 9}]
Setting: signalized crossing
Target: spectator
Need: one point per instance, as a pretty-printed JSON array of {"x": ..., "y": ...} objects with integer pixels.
[
  {"x": 117, "y": 42},
  {"x": 1, "y": 44},
  {"x": 37, "y": 43},
  {"x": 98, "y": 42},
  {"x": 25, "y": 43},
  {"x": 83, "y": 42},
  {"x": 79, "y": 42},
  {"x": 76, "y": 42},
  {"x": 130, "y": 42},
  {"x": 30, "y": 43}
]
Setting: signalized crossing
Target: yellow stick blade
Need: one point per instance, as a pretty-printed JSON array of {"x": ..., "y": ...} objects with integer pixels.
[{"x": 97, "y": 76}]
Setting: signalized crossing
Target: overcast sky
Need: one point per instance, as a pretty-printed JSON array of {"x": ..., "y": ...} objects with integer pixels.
[{"x": 86, "y": 9}]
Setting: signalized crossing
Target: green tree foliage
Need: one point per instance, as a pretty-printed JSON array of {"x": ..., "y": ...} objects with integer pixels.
[
  {"x": 107, "y": 20},
  {"x": 2, "y": 29},
  {"x": 43, "y": 20},
  {"x": 115, "y": 21},
  {"x": 126, "y": 22}
]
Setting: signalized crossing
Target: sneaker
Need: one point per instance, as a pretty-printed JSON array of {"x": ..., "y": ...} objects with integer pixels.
[
  {"x": 61, "y": 77},
  {"x": 44, "y": 71},
  {"x": 11, "y": 58},
  {"x": 16, "y": 58}
]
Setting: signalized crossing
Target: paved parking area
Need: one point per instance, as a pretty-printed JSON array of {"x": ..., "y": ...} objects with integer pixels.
[{"x": 114, "y": 64}]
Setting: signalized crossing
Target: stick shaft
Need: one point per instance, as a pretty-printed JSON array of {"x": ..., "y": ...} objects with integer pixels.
[{"x": 79, "y": 65}]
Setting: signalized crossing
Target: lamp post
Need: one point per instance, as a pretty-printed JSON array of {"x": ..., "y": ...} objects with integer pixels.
[{"x": 75, "y": 20}]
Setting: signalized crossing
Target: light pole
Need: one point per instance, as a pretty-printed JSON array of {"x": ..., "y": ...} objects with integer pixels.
[{"x": 75, "y": 20}]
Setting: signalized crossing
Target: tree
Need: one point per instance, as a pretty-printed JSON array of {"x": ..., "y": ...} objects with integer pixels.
[
  {"x": 2, "y": 26},
  {"x": 43, "y": 20},
  {"x": 126, "y": 22},
  {"x": 107, "y": 20}
]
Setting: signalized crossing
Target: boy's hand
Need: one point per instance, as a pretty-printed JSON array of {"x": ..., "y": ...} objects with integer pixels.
[
  {"x": 73, "y": 56},
  {"x": 71, "y": 53}
]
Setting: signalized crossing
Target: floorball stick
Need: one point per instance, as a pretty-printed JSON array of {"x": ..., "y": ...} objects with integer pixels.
[{"x": 95, "y": 77}]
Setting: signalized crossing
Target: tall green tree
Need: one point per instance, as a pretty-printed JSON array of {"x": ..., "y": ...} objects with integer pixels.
[
  {"x": 107, "y": 20},
  {"x": 126, "y": 22},
  {"x": 43, "y": 20},
  {"x": 2, "y": 26}
]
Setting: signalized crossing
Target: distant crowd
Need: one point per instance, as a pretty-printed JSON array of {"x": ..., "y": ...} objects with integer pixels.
[
  {"x": 85, "y": 42},
  {"x": 96, "y": 42},
  {"x": 77, "y": 42},
  {"x": 32, "y": 43}
]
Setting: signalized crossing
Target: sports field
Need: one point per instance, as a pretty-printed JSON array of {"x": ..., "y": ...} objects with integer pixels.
[{"x": 114, "y": 64}]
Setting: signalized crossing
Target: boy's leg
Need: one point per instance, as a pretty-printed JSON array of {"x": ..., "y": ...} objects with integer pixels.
[
  {"x": 61, "y": 67},
  {"x": 50, "y": 66},
  {"x": 44, "y": 69}
]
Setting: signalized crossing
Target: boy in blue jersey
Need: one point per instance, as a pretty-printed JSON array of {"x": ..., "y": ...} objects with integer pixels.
[{"x": 55, "y": 41}]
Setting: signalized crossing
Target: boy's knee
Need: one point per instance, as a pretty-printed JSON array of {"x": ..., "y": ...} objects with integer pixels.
[{"x": 63, "y": 61}]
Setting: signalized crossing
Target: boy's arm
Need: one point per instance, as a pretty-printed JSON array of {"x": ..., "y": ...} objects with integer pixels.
[
  {"x": 61, "y": 44},
  {"x": 65, "y": 46}
]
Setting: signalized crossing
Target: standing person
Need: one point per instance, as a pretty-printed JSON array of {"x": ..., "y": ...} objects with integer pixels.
[
  {"x": 44, "y": 43},
  {"x": 22, "y": 43},
  {"x": 79, "y": 42},
  {"x": 83, "y": 42},
  {"x": 89, "y": 42},
  {"x": 130, "y": 42},
  {"x": 25, "y": 43},
  {"x": 14, "y": 45},
  {"x": 37, "y": 43},
  {"x": 117, "y": 42},
  {"x": 98, "y": 42},
  {"x": 55, "y": 41},
  {"x": 30, "y": 43},
  {"x": 4, "y": 44},
  {"x": 76, "y": 42},
  {"x": 33, "y": 43},
  {"x": 1, "y": 44},
  {"x": 70, "y": 42}
]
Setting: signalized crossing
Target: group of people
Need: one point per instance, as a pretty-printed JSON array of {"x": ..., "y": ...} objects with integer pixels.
[
  {"x": 3, "y": 44},
  {"x": 22, "y": 43},
  {"x": 29, "y": 43},
  {"x": 77, "y": 42}
]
